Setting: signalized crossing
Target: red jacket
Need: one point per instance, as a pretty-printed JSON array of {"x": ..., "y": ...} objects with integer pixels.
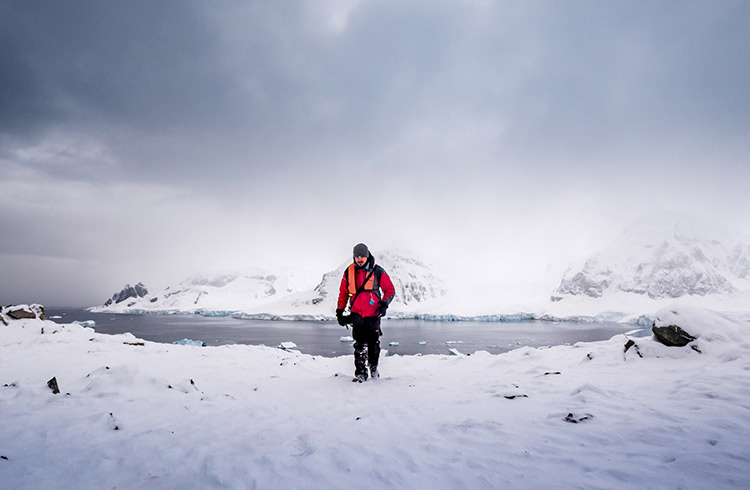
[{"x": 366, "y": 302}]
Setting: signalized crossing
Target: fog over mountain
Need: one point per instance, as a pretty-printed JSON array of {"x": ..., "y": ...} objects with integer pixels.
[
  {"x": 665, "y": 259},
  {"x": 653, "y": 262}
]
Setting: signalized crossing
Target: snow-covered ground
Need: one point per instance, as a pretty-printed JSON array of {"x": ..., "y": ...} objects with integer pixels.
[{"x": 135, "y": 414}]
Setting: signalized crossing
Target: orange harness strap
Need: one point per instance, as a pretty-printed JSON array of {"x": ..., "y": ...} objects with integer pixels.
[{"x": 350, "y": 279}]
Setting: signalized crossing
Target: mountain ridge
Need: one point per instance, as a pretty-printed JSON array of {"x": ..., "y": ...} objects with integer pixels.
[
  {"x": 663, "y": 259},
  {"x": 264, "y": 293}
]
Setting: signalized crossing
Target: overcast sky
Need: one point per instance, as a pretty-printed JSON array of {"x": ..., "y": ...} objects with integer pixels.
[{"x": 147, "y": 141}]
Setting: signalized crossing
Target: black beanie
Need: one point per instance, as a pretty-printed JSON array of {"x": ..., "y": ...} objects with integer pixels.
[{"x": 360, "y": 250}]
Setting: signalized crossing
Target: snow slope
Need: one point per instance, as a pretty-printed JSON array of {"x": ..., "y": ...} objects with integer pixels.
[
  {"x": 218, "y": 294},
  {"x": 289, "y": 293},
  {"x": 135, "y": 414},
  {"x": 665, "y": 259},
  {"x": 418, "y": 285},
  {"x": 657, "y": 261}
]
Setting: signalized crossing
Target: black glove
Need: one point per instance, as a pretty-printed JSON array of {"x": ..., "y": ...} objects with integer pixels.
[
  {"x": 382, "y": 308},
  {"x": 340, "y": 317}
]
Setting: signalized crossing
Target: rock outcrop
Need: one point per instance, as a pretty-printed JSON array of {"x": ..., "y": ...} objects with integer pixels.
[
  {"x": 672, "y": 335},
  {"x": 137, "y": 291},
  {"x": 20, "y": 312}
]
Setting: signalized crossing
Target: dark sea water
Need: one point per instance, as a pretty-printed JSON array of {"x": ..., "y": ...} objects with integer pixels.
[{"x": 323, "y": 338}]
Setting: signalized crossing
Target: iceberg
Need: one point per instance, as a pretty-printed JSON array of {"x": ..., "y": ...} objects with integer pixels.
[
  {"x": 287, "y": 345},
  {"x": 346, "y": 339},
  {"x": 195, "y": 343}
]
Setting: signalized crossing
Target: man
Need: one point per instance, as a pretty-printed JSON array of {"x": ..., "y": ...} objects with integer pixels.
[{"x": 361, "y": 288}]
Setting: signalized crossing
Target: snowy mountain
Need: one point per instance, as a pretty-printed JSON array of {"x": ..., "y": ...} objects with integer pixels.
[
  {"x": 664, "y": 258},
  {"x": 221, "y": 293},
  {"x": 417, "y": 285},
  {"x": 287, "y": 293},
  {"x": 652, "y": 262}
]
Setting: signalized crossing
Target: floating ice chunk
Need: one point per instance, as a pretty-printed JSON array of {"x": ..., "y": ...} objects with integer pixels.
[
  {"x": 393, "y": 344},
  {"x": 346, "y": 339},
  {"x": 454, "y": 352},
  {"x": 196, "y": 343},
  {"x": 452, "y": 342},
  {"x": 287, "y": 345},
  {"x": 422, "y": 342},
  {"x": 87, "y": 323}
]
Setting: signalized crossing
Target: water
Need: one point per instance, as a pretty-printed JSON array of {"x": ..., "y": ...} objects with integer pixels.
[{"x": 323, "y": 338}]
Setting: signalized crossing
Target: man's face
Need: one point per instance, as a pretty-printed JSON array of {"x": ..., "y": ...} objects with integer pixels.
[{"x": 360, "y": 261}]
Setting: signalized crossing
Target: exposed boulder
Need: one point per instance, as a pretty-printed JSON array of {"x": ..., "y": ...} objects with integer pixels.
[
  {"x": 672, "y": 335},
  {"x": 20, "y": 312},
  {"x": 137, "y": 291},
  {"x": 52, "y": 384}
]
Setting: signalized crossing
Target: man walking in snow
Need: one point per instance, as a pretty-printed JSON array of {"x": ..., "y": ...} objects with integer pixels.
[{"x": 361, "y": 289}]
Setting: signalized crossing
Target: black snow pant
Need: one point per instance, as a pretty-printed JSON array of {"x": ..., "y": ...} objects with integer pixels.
[{"x": 366, "y": 332}]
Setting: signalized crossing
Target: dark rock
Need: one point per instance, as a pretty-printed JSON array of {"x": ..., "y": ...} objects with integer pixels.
[
  {"x": 53, "y": 386},
  {"x": 574, "y": 419},
  {"x": 25, "y": 312},
  {"x": 137, "y": 291},
  {"x": 20, "y": 313},
  {"x": 672, "y": 335},
  {"x": 140, "y": 290},
  {"x": 631, "y": 344}
]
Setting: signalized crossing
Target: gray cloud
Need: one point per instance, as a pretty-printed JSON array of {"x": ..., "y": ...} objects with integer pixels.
[{"x": 165, "y": 136}]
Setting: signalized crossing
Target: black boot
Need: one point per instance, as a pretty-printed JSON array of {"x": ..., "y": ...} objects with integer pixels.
[{"x": 360, "y": 362}]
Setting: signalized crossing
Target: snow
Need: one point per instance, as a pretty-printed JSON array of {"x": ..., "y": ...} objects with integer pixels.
[
  {"x": 135, "y": 414},
  {"x": 221, "y": 294},
  {"x": 665, "y": 257},
  {"x": 425, "y": 291}
]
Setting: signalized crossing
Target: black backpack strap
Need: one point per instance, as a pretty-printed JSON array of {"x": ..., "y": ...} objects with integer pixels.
[{"x": 362, "y": 287}]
